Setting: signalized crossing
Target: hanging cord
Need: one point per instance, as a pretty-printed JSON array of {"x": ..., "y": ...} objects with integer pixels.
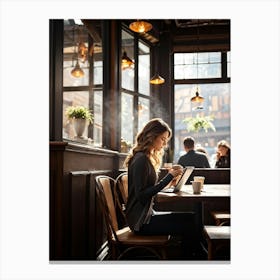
[{"x": 197, "y": 44}]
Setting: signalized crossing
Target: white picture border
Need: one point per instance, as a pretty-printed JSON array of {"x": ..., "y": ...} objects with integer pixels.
[{"x": 24, "y": 192}]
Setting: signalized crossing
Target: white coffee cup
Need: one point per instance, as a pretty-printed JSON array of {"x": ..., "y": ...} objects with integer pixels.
[
  {"x": 196, "y": 185},
  {"x": 199, "y": 179}
]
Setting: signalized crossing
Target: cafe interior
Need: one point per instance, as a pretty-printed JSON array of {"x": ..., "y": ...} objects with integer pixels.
[{"x": 107, "y": 79}]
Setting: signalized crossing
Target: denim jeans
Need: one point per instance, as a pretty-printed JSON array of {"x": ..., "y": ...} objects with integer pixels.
[{"x": 181, "y": 224}]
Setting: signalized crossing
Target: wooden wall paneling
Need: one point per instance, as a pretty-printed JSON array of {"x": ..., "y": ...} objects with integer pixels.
[
  {"x": 88, "y": 239},
  {"x": 79, "y": 215},
  {"x": 57, "y": 244},
  {"x": 92, "y": 220},
  {"x": 77, "y": 229},
  {"x": 81, "y": 158}
]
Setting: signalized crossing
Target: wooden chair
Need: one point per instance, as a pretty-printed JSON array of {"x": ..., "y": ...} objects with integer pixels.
[
  {"x": 217, "y": 237},
  {"x": 122, "y": 187},
  {"x": 222, "y": 218},
  {"x": 122, "y": 241},
  {"x": 121, "y": 191}
]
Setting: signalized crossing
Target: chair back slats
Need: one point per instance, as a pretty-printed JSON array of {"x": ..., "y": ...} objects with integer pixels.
[
  {"x": 107, "y": 184},
  {"x": 104, "y": 210},
  {"x": 122, "y": 184}
]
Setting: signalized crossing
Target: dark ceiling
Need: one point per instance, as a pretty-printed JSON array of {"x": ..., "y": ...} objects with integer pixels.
[{"x": 185, "y": 34}]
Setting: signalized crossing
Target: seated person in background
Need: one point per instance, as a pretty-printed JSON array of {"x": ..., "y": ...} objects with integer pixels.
[
  {"x": 192, "y": 157},
  {"x": 202, "y": 150},
  {"x": 223, "y": 155}
]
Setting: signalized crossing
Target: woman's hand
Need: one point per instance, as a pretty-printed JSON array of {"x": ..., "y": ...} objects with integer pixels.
[{"x": 176, "y": 170}]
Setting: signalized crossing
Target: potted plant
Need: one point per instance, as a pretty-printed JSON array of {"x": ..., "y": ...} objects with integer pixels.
[
  {"x": 125, "y": 146},
  {"x": 81, "y": 117},
  {"x": 195, "y": 124}
]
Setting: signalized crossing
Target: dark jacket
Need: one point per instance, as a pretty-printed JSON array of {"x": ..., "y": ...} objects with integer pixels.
[
  {"x": 194, "y": 158},
  {"x": 142, "y": 186},
  {"x": 223, "y": 162}
]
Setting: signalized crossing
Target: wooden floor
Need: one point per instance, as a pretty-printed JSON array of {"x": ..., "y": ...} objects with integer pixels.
[{"x": 174, "y": 253}]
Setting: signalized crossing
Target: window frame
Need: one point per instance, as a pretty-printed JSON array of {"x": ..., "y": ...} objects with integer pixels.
[
  {"x": 136, "y": 95},
  {"x": 197, "y": 81},
  {"x": 90, "y": 88}
]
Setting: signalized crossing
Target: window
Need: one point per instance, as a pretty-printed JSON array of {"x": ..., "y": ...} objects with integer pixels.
[
  {"x": 202, "y": 68},
  {"x": 197, "y": 65},
  {"x": 135, "y": 94},
  {"x": 83, "y": 89}
]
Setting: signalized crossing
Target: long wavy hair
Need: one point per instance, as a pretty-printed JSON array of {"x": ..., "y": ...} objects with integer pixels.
[{"x": 146, "y": 138}]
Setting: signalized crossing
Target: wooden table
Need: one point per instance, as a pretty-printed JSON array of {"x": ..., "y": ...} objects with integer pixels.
[
  {"x": 213, "y": 196},
  {"x": 209, "y": 193}
]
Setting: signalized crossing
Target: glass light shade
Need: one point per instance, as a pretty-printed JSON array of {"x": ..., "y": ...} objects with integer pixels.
[
  {"x": 77, "y": 71},
  {"x": 157, "y": 80},
  {"x": 140, "y": 26},
  {"x": 126, "y": 61},
  {"x": 197, "y": 98}
]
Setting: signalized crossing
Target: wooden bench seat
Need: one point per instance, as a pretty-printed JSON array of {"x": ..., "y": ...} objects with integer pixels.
[
  {"x": 217, "y": 237},
  {"x": 221, "y": 217}
]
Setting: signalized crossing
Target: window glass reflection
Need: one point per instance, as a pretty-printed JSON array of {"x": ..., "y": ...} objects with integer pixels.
[
  {"x": 97, "y": 65},
  {"x": 197, "y": 65},
  {"x": 127, "y": 118},
  {"x": 143, "y": 112},
  {"x": 128, "y": 72},
  {"x": 216, "y": 104},
  {"x": 98, "y": 119},
  {"x": 144, "y": 69}
]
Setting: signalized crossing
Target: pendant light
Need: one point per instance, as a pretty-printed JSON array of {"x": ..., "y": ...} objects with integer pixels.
[
  {"x": 157, "y": 79},
  {"x": 197, "y": 97},
  {"x": 140, "y": 26},
  {"x": 77, "y": 71},
  {"x": 126, "y": 61}
]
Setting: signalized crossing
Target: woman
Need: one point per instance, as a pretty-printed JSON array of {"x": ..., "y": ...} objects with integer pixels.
[
  {"x": 143, "y": 165},
  {"x": 223, "y": 155}
]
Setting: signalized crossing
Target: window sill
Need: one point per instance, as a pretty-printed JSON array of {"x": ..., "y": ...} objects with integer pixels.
[{"x": 86, "y": 148}]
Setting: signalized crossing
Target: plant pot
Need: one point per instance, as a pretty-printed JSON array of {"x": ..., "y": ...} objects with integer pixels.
[{"x": 80, "y": 126}]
